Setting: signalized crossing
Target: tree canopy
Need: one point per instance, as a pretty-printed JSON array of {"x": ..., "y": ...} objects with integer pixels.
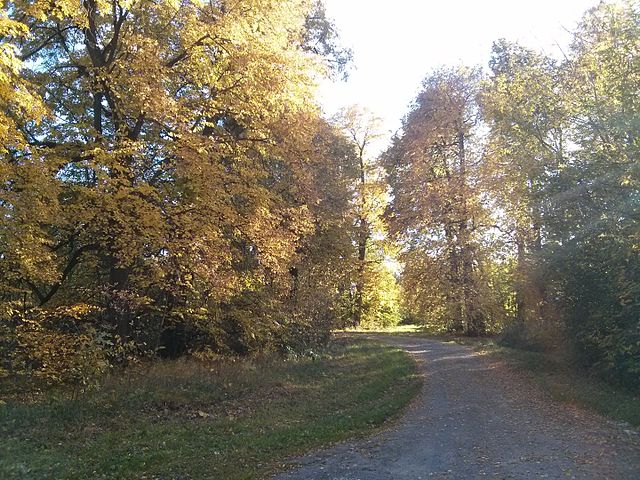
[
  {"x": 169, "y": 185},
  {"x": 515, "y": 195}
]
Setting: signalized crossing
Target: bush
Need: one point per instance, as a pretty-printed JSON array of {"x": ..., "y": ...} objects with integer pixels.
[
  {"x": 600, "y": 290},
  {"x": 534, "y": 337},
  {"x": 61, "y": 346}
]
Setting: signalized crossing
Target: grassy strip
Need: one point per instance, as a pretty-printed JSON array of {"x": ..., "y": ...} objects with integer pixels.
[
  {"x": 189, "y": 420},
  {"x": 568, "y": 383},
  {"x": 560, "y": 376},
  {"x": 411, "y": 330}
]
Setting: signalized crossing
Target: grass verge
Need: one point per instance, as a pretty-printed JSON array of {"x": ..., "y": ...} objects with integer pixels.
[
  {"x": 190, "y": 420},
  {"x": 569, "y": 383}
]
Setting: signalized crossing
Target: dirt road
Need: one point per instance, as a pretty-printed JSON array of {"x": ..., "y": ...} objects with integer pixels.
[{"x": 478, "y": 419}]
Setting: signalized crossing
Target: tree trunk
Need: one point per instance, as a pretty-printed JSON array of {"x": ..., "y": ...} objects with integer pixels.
[
  {"x": 363, "y": 237},
  {"x": 473, "y": 322},
  {"x": 521, "y": 302},
  {"x": 119, "y": 311},
  {"x": 454, "y": 294}
]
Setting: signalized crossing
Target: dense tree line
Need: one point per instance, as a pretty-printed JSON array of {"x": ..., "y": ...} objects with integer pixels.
[
  {"x": 516, "y": 195},
  {"x": 167, "y": 183}
]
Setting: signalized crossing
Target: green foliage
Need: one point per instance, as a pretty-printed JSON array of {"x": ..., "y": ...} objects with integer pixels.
[
  {"x": 567, "y": 153},
  {"x": 601, "y": 286},
  {"x": 546, "y": 214},
  {"x": 593, "y": 255},
  {"x": 381, "y": 302}
]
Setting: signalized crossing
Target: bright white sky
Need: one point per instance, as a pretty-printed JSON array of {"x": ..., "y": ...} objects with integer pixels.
[{"x": 397, "y": 42}]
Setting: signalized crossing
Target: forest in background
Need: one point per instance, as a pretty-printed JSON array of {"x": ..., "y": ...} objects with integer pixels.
[
  {"x": 169, "y": 186},
  {"x": 516, "y": 196}
]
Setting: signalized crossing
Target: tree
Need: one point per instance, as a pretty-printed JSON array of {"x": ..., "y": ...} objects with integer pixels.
[
  {"x": 522, "y": 103},
  {"x": 594, "y": 202},
  {"x": 436, "y": 211},
  {"x": 562, "y": 166},
  {"x": 375, "y": 296},
  {"x": 327, "y": 262},
  {"x": 161, "y": 185}
]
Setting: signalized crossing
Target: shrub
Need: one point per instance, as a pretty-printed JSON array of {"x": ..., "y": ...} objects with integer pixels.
[{"x": 61, "y": 346}]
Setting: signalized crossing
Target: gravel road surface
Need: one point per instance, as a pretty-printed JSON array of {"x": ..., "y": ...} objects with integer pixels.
[{"x": 477, "y": 419}]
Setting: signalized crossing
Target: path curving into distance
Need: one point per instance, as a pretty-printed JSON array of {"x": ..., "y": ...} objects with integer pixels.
[{"x": 478, "y": 419}]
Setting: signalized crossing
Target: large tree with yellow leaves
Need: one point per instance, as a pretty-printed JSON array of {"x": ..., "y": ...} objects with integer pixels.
[{"x": 153, "y": 169}]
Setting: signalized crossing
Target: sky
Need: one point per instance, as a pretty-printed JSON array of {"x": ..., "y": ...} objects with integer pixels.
[{"x": 396, "y": 43}]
